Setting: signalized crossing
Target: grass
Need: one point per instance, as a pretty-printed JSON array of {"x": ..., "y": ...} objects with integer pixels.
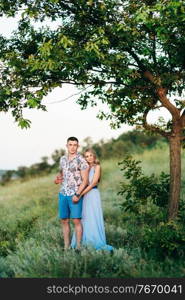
[{"x": 31, "y": 244}]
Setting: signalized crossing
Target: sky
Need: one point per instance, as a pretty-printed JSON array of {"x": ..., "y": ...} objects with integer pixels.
[{"x": 49, "y": 130}]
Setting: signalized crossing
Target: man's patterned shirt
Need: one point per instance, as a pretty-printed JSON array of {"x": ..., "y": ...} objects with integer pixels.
[{"x": 71, "y": 173}]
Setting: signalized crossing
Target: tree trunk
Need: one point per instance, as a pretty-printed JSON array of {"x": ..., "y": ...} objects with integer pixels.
[{"x": 175, "y": 175}]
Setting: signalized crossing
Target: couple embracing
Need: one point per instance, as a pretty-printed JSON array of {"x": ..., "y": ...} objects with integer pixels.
[{"x": 79, "y": 198}]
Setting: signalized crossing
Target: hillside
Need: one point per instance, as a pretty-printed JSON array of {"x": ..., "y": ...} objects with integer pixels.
[
  {"x": 31, "y": 244},
  {"x": 134, "y": 141},
  {"x": 2, "y": 172}
]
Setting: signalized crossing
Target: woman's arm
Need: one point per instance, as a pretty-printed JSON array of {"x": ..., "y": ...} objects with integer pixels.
[{"x": 94, "y": 182}]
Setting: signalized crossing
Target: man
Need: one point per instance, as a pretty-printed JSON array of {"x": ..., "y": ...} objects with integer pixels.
[{"x": 74, "y": 178}]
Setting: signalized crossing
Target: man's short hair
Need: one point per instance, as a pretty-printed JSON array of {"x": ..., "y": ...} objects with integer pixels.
[{"x": 72, "y": 138}]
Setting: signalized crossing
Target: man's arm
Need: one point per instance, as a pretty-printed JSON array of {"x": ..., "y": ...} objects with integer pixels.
[
  {"x": 59, "y": 178},
  {"x": 94, "y": 182},
  {"x": 84, "y": 175}
]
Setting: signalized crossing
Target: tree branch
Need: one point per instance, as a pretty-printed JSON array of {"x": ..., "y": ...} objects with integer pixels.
[
  {"x": 161, "y": 92},
  {"x": 67, "y": 98},
  {"x": 182, "y": 119},
  {"x": 89, "y": 82},
  {"x": 136, "y": 58},
  {"x": 154, "y": 51},
  {"x": 153, "y": 127},
  {"x": 157, "y": 107}
]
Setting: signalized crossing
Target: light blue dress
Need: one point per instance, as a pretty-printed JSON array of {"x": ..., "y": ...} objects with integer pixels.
[{"x": 92, "y": 220}]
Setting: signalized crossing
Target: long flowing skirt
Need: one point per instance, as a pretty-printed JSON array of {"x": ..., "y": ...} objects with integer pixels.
[{"x": 93, "y": 223}]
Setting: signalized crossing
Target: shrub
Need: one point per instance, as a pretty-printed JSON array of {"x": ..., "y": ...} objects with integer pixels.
[
  {"x": 166, "y": 239},
  {"x": 144, "y": 195},
  {"x": 5, "y": 269},
  {"x": 13, "y": 232}
]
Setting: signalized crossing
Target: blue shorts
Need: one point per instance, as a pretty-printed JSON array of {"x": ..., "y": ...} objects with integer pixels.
[{"x": 67, "y": 209}]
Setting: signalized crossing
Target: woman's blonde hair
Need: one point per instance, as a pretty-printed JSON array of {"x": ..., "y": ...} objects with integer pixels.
[{"x": 97, "y": 162}]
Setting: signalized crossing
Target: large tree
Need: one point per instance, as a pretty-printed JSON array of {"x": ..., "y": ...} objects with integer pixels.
[{"x": 129, "y": 54}]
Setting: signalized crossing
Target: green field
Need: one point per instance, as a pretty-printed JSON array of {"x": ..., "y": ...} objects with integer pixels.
[{"x": 31, "y": 244}]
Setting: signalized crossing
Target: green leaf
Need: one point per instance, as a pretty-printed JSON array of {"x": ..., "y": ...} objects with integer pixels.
[{"x": 24, "y": 123}]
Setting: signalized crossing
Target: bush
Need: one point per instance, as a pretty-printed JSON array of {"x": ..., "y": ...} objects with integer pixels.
[
  {"x": 5, "y": 269},
  {"x": 12, "y": 233},
  {"x": 144, "y": 195},
  {"x": 166, "y": 239}
]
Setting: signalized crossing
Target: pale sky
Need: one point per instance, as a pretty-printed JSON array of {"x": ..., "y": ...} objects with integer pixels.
[{"x": 49, "y": 130}]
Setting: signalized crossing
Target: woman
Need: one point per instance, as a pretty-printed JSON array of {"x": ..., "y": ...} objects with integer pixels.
[{"x": 92, "y": 216}]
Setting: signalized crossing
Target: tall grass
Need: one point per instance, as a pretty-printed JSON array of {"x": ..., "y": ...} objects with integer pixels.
[{"x": 31, "y": 244}]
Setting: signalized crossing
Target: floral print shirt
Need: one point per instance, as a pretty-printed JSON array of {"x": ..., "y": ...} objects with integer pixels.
[{"x": 71, "y": 173}]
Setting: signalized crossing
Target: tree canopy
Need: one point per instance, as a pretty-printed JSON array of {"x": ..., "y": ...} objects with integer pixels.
[{"x": 128, "y": 54}]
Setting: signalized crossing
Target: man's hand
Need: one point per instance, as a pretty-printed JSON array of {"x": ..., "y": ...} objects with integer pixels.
[
  {"x": 75, "y": 199},
  {"x": 58, "y": 179}
]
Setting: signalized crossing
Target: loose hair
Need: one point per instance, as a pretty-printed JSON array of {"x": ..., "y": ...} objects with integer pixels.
[
  {"x": 72, "y": 138},
  {"x": 97, "y": 162}
]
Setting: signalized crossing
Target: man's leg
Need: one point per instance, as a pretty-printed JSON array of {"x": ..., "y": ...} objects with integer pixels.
[
  {"x": 66, "y": 232},
  {"x": 78, "y": 232},
  {"x": 64, "y": 215}
]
